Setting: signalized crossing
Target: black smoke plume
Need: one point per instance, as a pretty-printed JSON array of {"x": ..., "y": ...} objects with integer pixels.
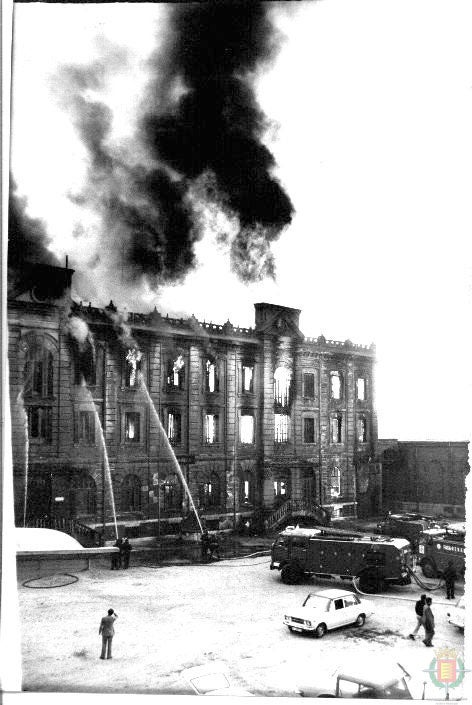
[
  {"x": 205, "y": 118},
  {"x": 198, "y": 148},
  {"x": 27, "y": 239}
]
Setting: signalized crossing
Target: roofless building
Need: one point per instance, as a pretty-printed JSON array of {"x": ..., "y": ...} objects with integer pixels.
[{"x": 262, "y": 420}]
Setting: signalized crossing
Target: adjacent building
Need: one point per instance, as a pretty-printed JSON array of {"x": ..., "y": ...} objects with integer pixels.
[
  {"x": 424, "y": 476},
  {"x": 258, "y": 419}
]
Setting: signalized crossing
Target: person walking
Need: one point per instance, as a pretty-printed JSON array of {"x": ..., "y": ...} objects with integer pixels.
[
  {"x": 107, "y": 630},
  {"x": 428, "y": 620},
  {"x": 126, "y": 549},
  {"x": 419, "y": 609},
  {"x": 450, "y": 577},
  {"x": 116, "y": 557}
]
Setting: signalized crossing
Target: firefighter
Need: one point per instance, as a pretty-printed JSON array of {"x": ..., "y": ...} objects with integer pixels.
[
  {"x": 450, "y": 577},
  {"x": 205, "y": 544},
  {"x": 214, "y": 548}
]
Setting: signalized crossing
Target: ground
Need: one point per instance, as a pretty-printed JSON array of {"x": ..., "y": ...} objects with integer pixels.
[{"x": 175, "y": 617}]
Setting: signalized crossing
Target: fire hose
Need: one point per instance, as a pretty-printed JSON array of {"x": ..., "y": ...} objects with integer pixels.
[{"x": 424, "y": 586}]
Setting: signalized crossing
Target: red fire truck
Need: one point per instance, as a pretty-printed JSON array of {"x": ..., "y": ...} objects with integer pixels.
[{"x": 336, "y": 554}]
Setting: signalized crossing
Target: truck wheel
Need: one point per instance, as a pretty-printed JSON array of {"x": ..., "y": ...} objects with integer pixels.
[
  {"x": 428, "y": 568},
  {"x": 290, "y": 575},
  {"x": 370, "y": 582},
  {"x": 360, "y": 621},
  {"x": 320, "y": 631}
]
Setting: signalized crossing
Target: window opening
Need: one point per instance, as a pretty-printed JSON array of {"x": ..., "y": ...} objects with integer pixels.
[
  {"x": 246, "y": 434},
  {"x": 282, "y": 428},
  {"x": 40, "y": 423},
  {"x": 309, "y": 385},
  {"x": 361, "y": 388},
  {"x": 308, "y": 430},
  {"x": 211, "y": 428},
  {"x": 176, "y": 372},
  {"x": 282, "y": 384},
  {"x": 86, "y": 432},
  {"x": 211, "y": 374},
  {"x": 337, "y": 428},
  {"x": 335, "y": 378},
  {"x": 174, "y": 427},
  {"x": 361, "y": 430},
  {"x": 132, "y": 426},
  {"x": 248, "y": 378}
]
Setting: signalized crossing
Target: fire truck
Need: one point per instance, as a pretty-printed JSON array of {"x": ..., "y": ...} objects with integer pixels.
[
  {"x": 342, "y": 555},
  {"x": 408, "y": 526},
  {"x": 439, "y": 546}
]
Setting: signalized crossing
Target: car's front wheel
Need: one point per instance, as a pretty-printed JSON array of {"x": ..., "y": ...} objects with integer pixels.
[
  {"x": 360, "y": 621},
  {"x": 320, "y": 631}
]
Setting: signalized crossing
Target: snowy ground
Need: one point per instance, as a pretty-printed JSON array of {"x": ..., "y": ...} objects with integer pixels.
[{"x": 171, "y": 618}]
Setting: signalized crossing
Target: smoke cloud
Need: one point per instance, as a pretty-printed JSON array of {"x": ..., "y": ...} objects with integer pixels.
[
  {"x": 197, "y": 149},
  {"x": 27, "y": 239},
  {"x": 205, "y": 119}
]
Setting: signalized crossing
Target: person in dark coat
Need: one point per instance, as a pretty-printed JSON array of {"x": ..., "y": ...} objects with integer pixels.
[
  {"x": 428, "y": 621},
  {"x": 214, "y": 547},
  {"x": 450, "y": 577},
  {"x": 116, "y": 557},
  {"x": 107, "y": 630},
  {"x": 205, "y": 544},
  {"x": 419, "y": 609},
  {"x": 126, "y": 549}
]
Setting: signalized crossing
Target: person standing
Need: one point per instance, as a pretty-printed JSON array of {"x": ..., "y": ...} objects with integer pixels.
[
  {"x": 419, "y": 609},
  {"x": 116, "y": 557},
  {"x": 126, "y": 549},
  {"x": 107, "y": 630},
  {"x": 205, "y": 545},
  {"x": 450, "y": 577},
  {"x": 428, "y": 620}
]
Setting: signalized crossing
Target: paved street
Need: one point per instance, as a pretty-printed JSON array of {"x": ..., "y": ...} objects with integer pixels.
[{"x": 172, "y": 618}]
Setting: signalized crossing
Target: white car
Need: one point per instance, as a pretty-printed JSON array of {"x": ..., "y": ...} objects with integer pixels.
[
  {"x": 363, "y": 680},
  {"x": 456, "y": 615},
  {"x": 212, "y": 679},
  {"x": 325, "y": 610}
]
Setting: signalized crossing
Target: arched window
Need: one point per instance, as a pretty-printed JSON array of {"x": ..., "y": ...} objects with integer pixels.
[
  {"x": 171, "y": 493},
  {"x": 131, "y": 494},
  {"x": 83, "y": 494},
  {"x": 38, "y": 375},
  {"x": 38, "y": 385}
]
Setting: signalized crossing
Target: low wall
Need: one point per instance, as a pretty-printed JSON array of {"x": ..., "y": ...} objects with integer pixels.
[
  {"x": 37, "y": 564},
  {"x": 447, "y": 510}
]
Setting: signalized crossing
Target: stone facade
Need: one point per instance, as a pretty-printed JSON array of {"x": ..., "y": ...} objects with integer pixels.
[
  {"x": 424, "y": 476},
  {"x": 254, "y": 416}
]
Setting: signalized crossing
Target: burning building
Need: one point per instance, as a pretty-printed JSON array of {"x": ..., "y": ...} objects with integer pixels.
[{"x": 261, "y": 420}]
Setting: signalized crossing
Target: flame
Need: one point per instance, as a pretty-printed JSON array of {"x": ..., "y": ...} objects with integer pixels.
[{"x": 132, "y": 358}]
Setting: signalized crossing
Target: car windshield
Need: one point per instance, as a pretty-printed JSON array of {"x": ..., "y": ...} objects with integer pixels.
[
  {"x": 210, "y": 681},
  {"x": 317, "y": 602},
  {"x": 395, "y": 691}
]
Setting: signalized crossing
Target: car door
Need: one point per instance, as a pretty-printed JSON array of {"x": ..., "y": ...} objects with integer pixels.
[
  {"x": 351, "y": 609},
  {"x": 337, "y": 612}
]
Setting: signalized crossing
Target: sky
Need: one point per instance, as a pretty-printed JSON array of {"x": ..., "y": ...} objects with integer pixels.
[{"x": 368, "y": 106}]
